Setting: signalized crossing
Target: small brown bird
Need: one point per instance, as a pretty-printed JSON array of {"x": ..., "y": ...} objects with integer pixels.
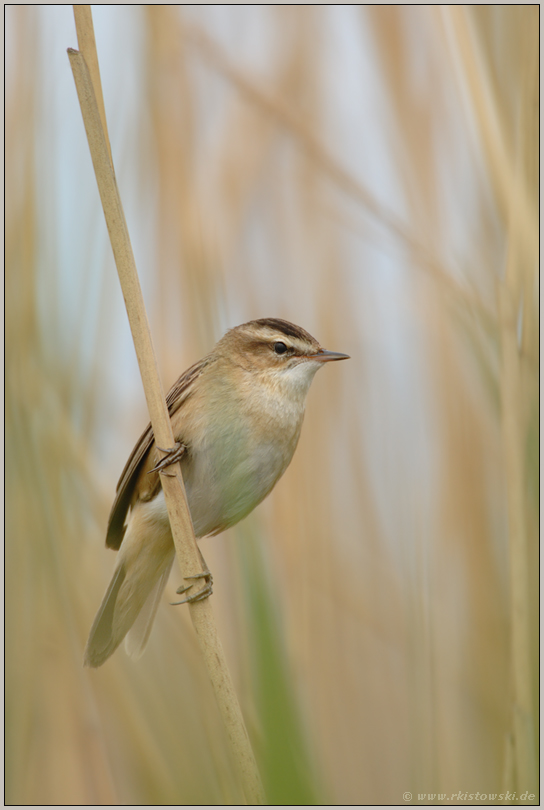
[{"x": 236, "y": 417}]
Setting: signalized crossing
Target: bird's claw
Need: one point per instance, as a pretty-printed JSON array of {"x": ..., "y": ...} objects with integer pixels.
[
  {"x": 203, "y": 593},
  {"x": 173, "y": 455}
]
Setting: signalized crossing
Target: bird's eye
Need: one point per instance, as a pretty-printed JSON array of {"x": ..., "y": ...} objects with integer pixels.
[{"x": 280, "y": 348}]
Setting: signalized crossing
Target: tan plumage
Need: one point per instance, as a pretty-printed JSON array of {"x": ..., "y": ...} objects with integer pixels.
[{"x": 237, "y": 414}]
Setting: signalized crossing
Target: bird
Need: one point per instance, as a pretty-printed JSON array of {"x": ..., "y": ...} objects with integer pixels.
[{"x": 236, "y": 417}]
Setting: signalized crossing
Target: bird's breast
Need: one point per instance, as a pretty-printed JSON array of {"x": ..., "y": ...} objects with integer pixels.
[{"x": 237, "y": 460}]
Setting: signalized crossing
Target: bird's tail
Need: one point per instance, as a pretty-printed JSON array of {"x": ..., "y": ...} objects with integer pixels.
[{"x": 131, "y": 601}]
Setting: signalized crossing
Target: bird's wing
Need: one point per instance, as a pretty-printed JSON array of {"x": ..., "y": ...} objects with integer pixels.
[{"x": 127, "y": 491}]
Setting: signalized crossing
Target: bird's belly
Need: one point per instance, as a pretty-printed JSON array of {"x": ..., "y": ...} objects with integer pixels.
[
  {"x": 230, "y": 472},
  {"x": 222, "y": 488}
]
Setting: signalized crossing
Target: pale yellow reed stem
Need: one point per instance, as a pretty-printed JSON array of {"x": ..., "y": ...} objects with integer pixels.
[
  {"x": 520, "y": 610},
  {"x": 520, "y": 214},
  {"x": 87, "y": 47},
  {"x": 180, "y": 519}
]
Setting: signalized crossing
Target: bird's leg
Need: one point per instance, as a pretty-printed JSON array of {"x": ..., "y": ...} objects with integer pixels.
[
  {"x": 204, "y": 592},
  {"x": 173, "y": 454}
]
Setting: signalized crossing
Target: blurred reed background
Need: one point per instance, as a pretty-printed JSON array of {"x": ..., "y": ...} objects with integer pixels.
[{"x": 370, "y": 173}]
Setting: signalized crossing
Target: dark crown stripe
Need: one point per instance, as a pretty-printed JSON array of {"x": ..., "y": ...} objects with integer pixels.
[{"x": 285, "y": 328}]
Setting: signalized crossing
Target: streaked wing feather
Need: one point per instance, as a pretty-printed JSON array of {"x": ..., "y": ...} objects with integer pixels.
[{"x": 178, "y": 394}]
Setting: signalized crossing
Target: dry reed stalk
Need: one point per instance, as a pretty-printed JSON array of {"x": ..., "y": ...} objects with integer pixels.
[
  {"x": 186, "y": 264},
  {"x": 39, "y": 441},
  {"x": 514, "y": 430},
  {"x": 275, "y": 106},
  {"x": 518, "y": 204},
  {"x": 417, "y": 120},
  {"x": 467, "y": 51},
  {"x": 185, "y": 542},
  {"x": 523, "y": 725},
  {"x": 87, "y": 46}
]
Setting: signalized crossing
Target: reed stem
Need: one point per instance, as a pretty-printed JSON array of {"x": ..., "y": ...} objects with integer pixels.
[{"x": 176, "y": 502}]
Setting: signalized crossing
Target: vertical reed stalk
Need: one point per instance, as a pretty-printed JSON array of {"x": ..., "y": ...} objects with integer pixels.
[
  {"x": 510, "y": 168},
  {"x": 514, "y": 434},
  {"x": 185, "y": 542},
  {"x": 520, "y": 618}
]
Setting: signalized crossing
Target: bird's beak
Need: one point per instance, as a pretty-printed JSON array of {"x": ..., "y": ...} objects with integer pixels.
[{"x": 324, "y": 356}]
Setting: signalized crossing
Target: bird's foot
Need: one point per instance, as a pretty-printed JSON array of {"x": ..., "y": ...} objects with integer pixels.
[
  {"x": 203, "y": 593},
  {"x": 173, "y": 455}
]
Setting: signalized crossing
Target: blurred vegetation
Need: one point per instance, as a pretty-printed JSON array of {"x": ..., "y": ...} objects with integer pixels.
[{"x": 371, "y": 173}]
